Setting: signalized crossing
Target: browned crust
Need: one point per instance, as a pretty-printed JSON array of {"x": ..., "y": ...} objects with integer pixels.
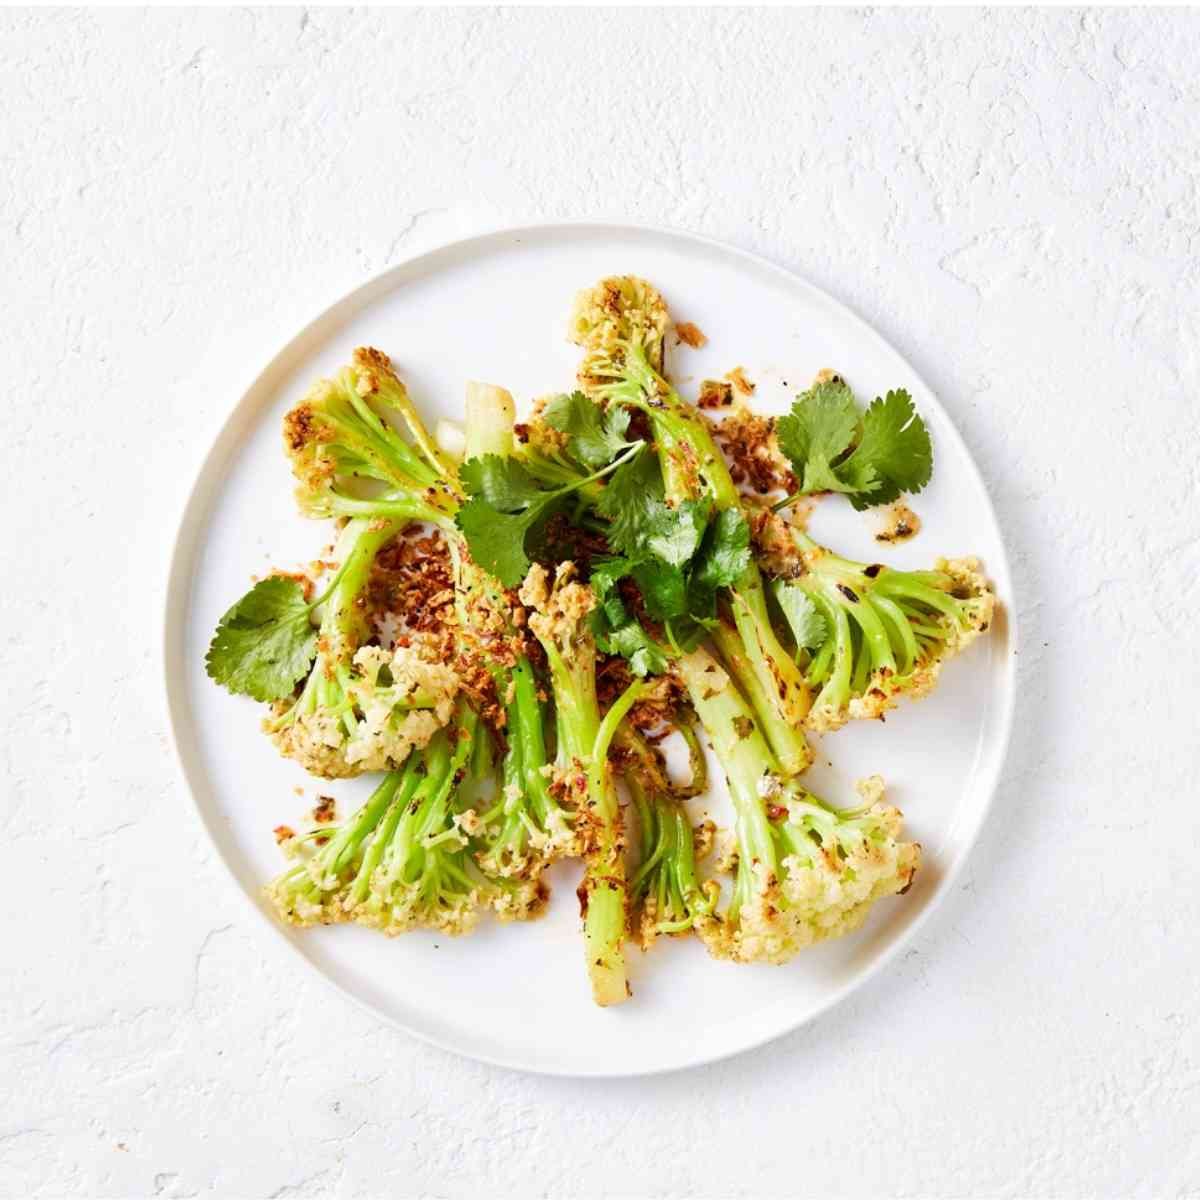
[
  {"x": 755, "y": 464},
  {"x": 715, "y": 393},
  {"x": 741, "y": 382}
]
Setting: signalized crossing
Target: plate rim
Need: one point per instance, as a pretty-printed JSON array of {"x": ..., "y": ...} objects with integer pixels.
[{"x": 186, "y": 525}]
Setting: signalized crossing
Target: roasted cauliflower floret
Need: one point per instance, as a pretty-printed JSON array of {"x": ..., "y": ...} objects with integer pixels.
[{"x": 867, "y": 634}]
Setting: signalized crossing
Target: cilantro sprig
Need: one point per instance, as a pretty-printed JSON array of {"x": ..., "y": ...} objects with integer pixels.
[
  {"x": 265, "y": 644},
  {"x": 871, "y": 457},
  {"x": 808, "y": 626},
  {"x": 506, "y": 518},
  {"x": 678, "y": 558},
  {"x": 594, "y": 436}
]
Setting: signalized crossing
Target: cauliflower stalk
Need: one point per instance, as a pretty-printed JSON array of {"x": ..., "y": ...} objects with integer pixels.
[
  {"x": 868, "y": 634},
  {"x": 558, "y": 618},
  {"x": 803, "y": 872},
  {"x": 407, "y": 858},
  {"x": 526, "y": 828},
  {"x": 667, "y": 895}
]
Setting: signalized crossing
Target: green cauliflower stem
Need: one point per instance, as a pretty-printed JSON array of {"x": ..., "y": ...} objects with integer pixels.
[
  {"x": 667, "y": 895},
  {"x": 802, "y": 872},
  {"x": 406, "y": 859},
  {"x": 344, "y": 431},
  {"x": 881, "y": 633},
  {"x": 559, "y": 610}
]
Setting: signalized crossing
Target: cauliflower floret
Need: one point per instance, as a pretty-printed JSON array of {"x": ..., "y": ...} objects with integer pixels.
[
  {"x": 883, "y": 690},
  {"x": 832, "y": 868},
  {"x": 316, "y": 741},
  {"x": 975, "y": 595},
  {"x": 619, "y": 310},
  {"x": 542, "y": 846},
  {"x": 401, "y": 697},
  {"x": 405, "y": 909},
  {"x": 560, "y": 608},
  {"x": 524, "y": 902},
  {"x": 391, "y": 726}
]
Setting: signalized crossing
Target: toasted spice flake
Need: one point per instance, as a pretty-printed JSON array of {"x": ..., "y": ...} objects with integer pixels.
[
  {"x": 283, "y": 833},
  {"x": 740, "y": 381},
  {"x": 715, "y": 393},
  {"x": 755, "y": 463},
  {"x": 690, "y": 335},
  {"x": 900, "y": 524},
  {"x": 412, "y": 583},
  {"x": 326, "y": 810}
]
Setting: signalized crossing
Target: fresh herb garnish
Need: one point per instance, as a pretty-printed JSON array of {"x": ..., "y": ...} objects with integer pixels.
[{"x": 871, "y": 457}]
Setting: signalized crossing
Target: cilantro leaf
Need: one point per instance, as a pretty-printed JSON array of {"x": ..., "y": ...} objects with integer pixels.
[
  {"x": 663, "y": 588},
  {"x": 498, "y": 540},
  {"x": 594, "y": 437},
  {"x": 725, "y": 553},
  {"x": 265, "y": 644},
  {"x": 606, "y": 572},
  {"x": 819, "y": 429},
  {"x": 632, "y": 642},
  {"x": 629, "y": 502},
  {"x": 808, "y": 626},
  {"x": 507, "y": 516},
  {"x": 871, "y": 457},
  {"x": 615, "y": 631},
  {"x": 674, "y": 534},
  {"x": 503, "y": 482},
  {"x": 895, "y": 444},
  {"x": 641, "y": 525}
]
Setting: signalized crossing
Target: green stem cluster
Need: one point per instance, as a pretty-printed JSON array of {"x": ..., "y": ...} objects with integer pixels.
[
  {"x": 404, "y": 859},
  {"x": 582, "y": 763},
  {"x": 665, "y": 889},
  {"x": 883, "y": 628}
]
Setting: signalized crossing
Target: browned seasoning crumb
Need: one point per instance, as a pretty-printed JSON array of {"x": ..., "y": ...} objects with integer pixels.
[
  {"x": 755, "y": 463},
  {"x": 740, "y": 382},
  {"x": 306, "y": 584},
  {"x": 298, "y": 790},
  {"x": 715, "y": 393},
  {"x": 690, "y": 335},
  {"x": 900, "y": 524},
  {"x": 283, "y": 833},
  {"x": 326, "y": 810}
]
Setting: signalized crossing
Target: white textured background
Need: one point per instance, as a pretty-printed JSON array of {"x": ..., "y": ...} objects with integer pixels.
[{"x": 1012, "y": 198}]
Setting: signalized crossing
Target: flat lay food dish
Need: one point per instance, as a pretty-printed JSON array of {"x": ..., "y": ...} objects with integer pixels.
[{"x": 585, "y": 643}]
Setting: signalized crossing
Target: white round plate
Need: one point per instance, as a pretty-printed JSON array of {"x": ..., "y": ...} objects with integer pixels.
[{"x": 494, "y": 308}]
